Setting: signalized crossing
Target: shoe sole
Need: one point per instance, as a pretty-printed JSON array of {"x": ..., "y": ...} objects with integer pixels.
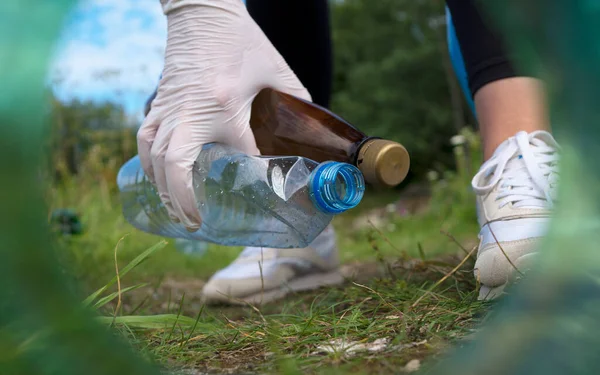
[
  {"x": 301, "y": 284},
  {"x": 487, "y": 293}
]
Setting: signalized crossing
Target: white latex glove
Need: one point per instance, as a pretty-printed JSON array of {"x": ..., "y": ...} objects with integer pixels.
[{"x": 217, "y": 59}]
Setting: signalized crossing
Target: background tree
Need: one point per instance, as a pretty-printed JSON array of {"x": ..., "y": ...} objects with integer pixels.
[{"x": 392, "y": 76}]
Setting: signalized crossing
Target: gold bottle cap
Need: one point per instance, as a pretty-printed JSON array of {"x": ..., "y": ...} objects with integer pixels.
[{"x": 383, "y": 162}]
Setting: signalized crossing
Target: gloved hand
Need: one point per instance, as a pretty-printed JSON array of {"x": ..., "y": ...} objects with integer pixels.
[{"x": 217, "y": 59}]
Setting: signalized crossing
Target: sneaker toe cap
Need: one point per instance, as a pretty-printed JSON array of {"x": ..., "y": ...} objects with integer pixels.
[{"x": 493, "y": 267}]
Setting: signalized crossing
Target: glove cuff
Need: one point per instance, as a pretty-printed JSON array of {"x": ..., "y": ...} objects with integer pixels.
[{"x": 171, "y": 5}]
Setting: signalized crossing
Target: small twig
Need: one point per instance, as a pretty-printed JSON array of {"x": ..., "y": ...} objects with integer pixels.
[
  {"x": 383, "y": 236},
  {"x": 380, "y": 257},
  {"x": 380, "y": 296},
  {"x": 477, "y": 280},
  {"x": 342, "y": 317},
  {"x": 503, "y": 252},
  {"x": 447, "y": 234},
  {"x": 445, "y": 277},
  {"x": 196, "y": 338},
  {"x": 241, "y": 301},
  {"x": 262, "y": 279}
]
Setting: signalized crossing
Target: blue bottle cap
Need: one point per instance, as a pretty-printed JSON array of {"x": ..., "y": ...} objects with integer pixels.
[{"x": 336, "y": 187}]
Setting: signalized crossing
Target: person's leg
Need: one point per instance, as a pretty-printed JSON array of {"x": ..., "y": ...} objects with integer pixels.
[
  {"x": 300, "y": 32},
  {"x": 515, "y": 186},
  {"x": 505, "y": 103},
  {"x": 502, "y": 116}
]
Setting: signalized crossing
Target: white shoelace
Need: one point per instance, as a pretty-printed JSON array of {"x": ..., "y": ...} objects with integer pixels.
[{"x": 526, "y": 169}]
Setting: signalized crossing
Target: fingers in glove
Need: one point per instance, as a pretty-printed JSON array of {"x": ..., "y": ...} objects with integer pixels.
[
  {"x": 158, "y": 154},
  {"x": 179, "y": 161},
  {"x": 245, "y": 142},
  {"x": 286, "y": 81},
  {"x": 145, "y": 139},
  {"x": 239, "y": 134}
]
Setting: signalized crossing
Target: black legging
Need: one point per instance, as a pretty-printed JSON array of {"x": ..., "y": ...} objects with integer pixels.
[
  {"x": 483, "y": 52},
  {"x": 299, "y": 29}
]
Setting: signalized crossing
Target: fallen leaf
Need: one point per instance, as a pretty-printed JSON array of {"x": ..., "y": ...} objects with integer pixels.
[
  {"x": 350, "y": 348},
  {"x": 412, "y": 365}
]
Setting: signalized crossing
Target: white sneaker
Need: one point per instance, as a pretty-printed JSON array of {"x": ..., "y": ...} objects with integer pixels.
[
  {"x": 515, "y": 193},
  {"x": 261, "y": 275}
]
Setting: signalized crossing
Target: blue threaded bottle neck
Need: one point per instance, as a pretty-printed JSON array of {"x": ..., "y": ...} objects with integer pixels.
[{"x": 336, "y": 187}]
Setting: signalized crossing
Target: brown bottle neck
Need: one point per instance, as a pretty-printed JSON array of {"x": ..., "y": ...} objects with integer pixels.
[
  {"x": 358, "y": 146},
  {"x": 287, "y": 125}
]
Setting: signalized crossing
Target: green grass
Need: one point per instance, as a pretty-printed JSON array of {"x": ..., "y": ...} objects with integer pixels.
[
  {"x": 289, "y": 335},
  {"x": 418, "y": 308},
  {"x": 417, "y": 300}
]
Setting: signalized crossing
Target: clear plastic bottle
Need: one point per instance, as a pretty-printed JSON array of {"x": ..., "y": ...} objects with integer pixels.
[
  {"x": 280, "y": 202},
  {"x": 195, "y": 248}
]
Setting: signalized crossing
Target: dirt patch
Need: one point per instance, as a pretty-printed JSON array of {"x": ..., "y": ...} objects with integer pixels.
[{"x": 166, "y": 297}]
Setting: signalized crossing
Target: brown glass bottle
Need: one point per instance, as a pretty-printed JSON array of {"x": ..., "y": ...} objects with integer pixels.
[{"x": 286, "y": 125}]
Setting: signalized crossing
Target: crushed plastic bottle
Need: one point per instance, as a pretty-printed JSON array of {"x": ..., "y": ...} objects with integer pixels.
[
  {"x": 193, "y": 248},
  {"x": 280, "y": 202}
]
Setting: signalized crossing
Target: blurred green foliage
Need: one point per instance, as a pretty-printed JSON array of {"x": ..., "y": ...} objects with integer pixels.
[
  {"x": 550, "y": 327},
  {"x": 42, "y": 328},
  {"x": 393, "y": 77},
  {"x": 98, "y": 135}
]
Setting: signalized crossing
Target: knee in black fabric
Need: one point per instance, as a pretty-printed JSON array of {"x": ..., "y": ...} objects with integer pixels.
[
  {"x": 482, "y": 48},
  {"x": 300, "y": 31}
]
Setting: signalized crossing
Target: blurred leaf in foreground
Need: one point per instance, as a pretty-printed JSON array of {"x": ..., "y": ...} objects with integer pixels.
[
  {"x": 550, "y": 326},
  {"x": 43, "y": 329}
]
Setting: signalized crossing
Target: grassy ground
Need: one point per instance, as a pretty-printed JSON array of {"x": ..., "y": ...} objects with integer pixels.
[
  {"x": 409, "y": 292},
  {"x": 375, "y": 327}
]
